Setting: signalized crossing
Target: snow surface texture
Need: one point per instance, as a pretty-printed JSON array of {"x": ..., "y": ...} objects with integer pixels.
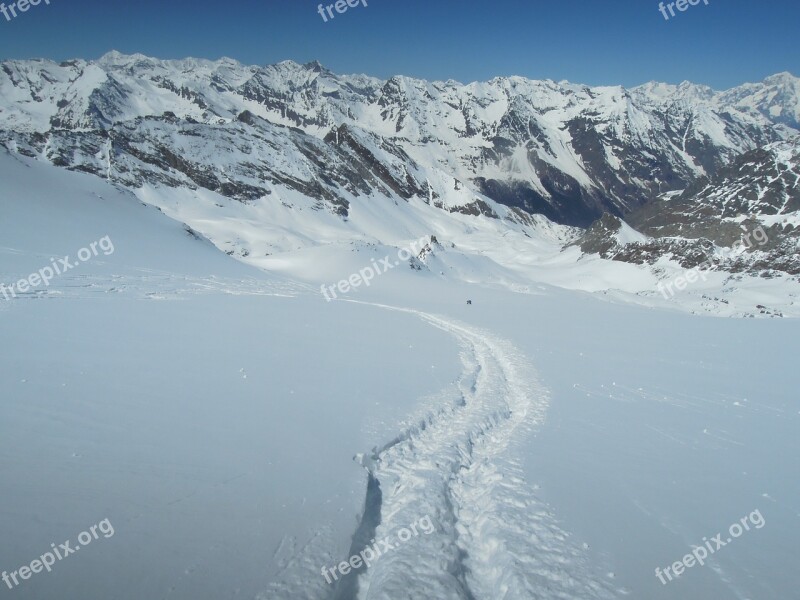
[
  {"x": 212, "y": 413},
  {"x": 454, "y": 465}
]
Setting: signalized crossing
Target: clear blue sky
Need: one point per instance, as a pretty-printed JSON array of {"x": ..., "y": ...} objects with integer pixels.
[{"x": 628, "y": 42}]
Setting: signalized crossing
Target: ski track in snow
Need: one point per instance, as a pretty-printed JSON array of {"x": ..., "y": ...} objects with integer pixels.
[{"x": 494, "y": 539}]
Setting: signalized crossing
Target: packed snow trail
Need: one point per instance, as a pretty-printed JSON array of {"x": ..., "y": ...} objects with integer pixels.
[{"x": 493, "y": 539}]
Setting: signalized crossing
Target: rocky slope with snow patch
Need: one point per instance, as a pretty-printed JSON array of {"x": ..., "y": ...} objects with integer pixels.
[{"x": 752, "y": 205}]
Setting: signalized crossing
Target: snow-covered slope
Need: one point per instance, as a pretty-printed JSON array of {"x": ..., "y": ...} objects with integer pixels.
[
  {"x": 558, "y": 445},
  {"x": 157, "y": 383}
]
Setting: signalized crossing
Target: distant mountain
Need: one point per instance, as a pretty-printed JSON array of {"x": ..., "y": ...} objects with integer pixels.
[
  {"x": 569, "y": 152},
  {"x": 295, "y": 147}
]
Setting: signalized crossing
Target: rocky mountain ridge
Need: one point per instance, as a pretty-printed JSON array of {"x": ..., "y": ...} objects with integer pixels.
[
  {"x": 567, "y": 151},
  {"x": 686, "y": 166}
]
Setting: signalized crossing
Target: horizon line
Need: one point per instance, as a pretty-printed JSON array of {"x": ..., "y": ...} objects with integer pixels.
[{"x": 451, "y": 80}]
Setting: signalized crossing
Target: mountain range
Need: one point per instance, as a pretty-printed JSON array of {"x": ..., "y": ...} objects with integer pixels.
[{"x": 267, "y": 160}]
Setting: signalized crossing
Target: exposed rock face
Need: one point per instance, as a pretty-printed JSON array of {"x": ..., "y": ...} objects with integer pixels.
[
  {"x": 762, "y": 182},
  {"x": 240, "y": 159},
  {"x": 752, "y": 204}
]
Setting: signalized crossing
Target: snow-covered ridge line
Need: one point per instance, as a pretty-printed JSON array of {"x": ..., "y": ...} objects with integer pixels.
[{"x": 656, "y": 89}]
